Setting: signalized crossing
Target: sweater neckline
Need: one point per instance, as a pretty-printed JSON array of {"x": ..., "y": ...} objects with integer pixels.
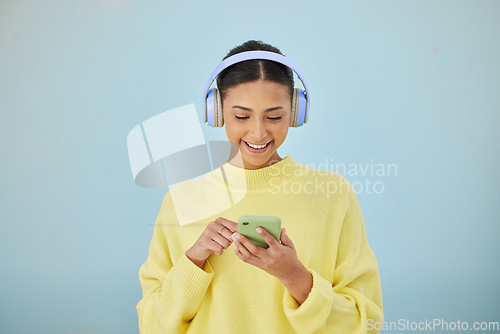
[{"x": 265, "y": 178}]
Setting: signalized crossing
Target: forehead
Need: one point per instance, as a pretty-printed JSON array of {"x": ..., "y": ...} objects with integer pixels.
[{"x": 261, "y": 89}]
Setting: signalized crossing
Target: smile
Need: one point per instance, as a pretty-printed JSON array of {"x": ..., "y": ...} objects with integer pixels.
[{"x": 257, "y": 148}]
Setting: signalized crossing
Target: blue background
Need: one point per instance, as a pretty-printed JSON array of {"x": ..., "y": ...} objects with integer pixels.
[{"x": 411, "y": 83}]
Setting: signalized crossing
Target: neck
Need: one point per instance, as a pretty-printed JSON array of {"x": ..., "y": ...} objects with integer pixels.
[{"x": 240, "y": 179}]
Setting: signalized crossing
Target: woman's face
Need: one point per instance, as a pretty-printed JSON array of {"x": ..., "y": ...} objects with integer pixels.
[{"x": 256, "y": 113}]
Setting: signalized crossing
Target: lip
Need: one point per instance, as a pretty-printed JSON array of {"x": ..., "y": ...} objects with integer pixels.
[{"x": 258, "y": 150}]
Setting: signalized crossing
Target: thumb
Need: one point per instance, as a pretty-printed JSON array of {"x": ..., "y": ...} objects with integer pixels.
[{"x": 285, "y": 240}]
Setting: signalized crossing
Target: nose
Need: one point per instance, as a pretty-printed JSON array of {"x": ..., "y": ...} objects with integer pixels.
[{"x": 258, "y": 129}]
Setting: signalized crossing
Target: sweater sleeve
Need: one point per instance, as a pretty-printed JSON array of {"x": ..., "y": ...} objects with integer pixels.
[
  {"x": 354, "y": 296},
  {"x": 172, "y": 290}
]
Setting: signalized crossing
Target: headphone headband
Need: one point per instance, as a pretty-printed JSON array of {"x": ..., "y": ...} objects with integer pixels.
[{"x": 249, "y": 55}]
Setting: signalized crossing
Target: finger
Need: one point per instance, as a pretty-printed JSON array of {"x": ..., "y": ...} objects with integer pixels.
[
  {"x": 229, "y": 224},
  {"x": 226, "y": 233},
  {"x": 215, "y": 247},
  {"x": 285, "y": 240},
  {"x": 238, "y": 253},
  {"x": 250, "y": 246},
  {"x": 217, "y": 228},
  {"x": 226, "y": 223},
  {"x": 268, "y": 237},
  {"x": 243, "y": 253},
  {"x": 221, "y": 240},
  {"x": 236, "y": 250}
]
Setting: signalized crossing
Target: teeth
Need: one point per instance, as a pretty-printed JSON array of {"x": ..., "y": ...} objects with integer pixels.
[{"x": 256, "y": 146}]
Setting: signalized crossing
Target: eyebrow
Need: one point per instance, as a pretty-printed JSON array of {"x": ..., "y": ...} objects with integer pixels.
[{"x": 249, "y": 109}]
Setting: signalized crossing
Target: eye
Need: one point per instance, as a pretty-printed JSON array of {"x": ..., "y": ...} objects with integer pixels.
[
  {"x": 275, "y": 118},
  {"x": 241, "y": 117}
]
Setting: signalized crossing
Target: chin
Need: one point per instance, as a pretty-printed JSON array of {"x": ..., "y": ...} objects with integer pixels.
[{"x": 257, "y": 162}]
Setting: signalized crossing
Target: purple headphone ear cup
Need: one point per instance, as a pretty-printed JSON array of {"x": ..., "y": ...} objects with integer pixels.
[
  {"x": 218, "y": 117},
  {"x": 209, "y": 112},
  {"x": 301, "y": 108}
]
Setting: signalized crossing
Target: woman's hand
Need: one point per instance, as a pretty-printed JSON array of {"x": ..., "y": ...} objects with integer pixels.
[
  {"x": 215, "y": 238},
  {"x": 279, "y": 260}
]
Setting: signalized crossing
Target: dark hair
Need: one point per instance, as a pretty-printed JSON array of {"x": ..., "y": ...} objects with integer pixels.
[{"x": 255, "y": 69}]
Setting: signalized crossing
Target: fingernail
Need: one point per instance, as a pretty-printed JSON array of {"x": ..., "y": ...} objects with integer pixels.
[
  {"x": 234, "y": 247},
  {"x": 235, "y": 236},
  {"x": 259, "y": 229}
]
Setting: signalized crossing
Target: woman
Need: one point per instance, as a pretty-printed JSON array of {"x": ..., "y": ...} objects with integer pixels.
[{"x": 324, "y": 281}]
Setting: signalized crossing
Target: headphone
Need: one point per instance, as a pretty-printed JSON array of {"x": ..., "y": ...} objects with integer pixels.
[{"x": 213, "y": 103}]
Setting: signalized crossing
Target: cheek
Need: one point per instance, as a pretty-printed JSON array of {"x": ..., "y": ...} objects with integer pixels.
[
  {"x": 282, "y": 132},
  {"x": 229, "y": 133},
  {"x": 233, "y": 131}
]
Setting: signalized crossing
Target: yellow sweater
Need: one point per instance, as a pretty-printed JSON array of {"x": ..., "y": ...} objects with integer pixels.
[{"x": 322, "y": 217}]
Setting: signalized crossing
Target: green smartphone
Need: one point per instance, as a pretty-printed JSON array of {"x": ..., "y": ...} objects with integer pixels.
[{"x": 248, "y": 224}]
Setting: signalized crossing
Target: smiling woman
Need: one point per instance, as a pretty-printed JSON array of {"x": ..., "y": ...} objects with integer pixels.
[
  {"x": 325, "y": 281},
  {"x": 256, "y": 117}
]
